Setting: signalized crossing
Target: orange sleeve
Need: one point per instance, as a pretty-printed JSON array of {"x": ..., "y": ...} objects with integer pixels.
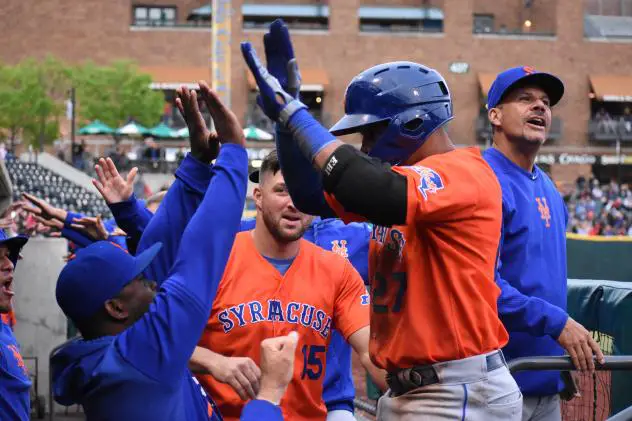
[
  {"x": 435, "y": 194},
  {"x": 351, "y": 308},
  {"x": 347, "y": 217}
]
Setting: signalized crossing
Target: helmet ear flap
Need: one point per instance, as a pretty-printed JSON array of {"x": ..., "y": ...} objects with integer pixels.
[{"x": 411, "y": 123}]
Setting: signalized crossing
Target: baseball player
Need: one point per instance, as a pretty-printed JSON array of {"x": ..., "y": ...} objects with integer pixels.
[
  {"x": 15, "y": 385},
  {"x": 533, "y": 246},
  {"x": 437, "y": 210},
  {"x": 351, "y": 242}
]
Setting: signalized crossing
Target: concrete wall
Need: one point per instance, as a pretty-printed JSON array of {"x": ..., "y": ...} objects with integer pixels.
[{"x": 41, "y": 325}]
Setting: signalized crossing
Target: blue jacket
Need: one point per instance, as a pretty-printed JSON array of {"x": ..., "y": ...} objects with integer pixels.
[
  {"x": 15, "y": 385},
  {"x": 532, "y": 269},
  {"x": 142, "y": 372},
  {"x": 351, "y": 241}
]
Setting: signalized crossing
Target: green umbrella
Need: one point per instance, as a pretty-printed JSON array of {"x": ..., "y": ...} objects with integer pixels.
[
  {"x": 96, "y": 127},
  {"x": 163, "y": 131}
]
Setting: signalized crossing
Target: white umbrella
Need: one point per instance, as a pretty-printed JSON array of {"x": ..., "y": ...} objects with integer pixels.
[
  {"x": 254, "y": 133},
  {"x": 183, "y": 132},
  {"x": 132, "y": 129}
]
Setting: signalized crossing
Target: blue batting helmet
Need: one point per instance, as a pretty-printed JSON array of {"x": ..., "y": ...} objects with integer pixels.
[{"x": 413, "y": 99}]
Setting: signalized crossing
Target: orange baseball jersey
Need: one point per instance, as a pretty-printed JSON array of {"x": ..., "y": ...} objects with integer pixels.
[
  {"x": 254, "y": 302},
  {"x": 433, "y": 291}
]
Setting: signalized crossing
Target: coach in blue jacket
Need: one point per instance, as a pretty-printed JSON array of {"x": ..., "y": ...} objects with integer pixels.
[
  {"x": 131, "y": 362},
  {"x": 532, "y": 266}
]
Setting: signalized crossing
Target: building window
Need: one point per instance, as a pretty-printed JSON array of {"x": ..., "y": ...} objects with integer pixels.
[
  {"x": 154, "y": 15},
  {"x": 400, "y": 19},
  {"x": 483, "y": 24},
  {"x": 295, "y": 16}
]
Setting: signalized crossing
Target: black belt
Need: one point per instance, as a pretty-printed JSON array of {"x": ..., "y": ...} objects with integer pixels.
[{"x": 405, "y": 380}]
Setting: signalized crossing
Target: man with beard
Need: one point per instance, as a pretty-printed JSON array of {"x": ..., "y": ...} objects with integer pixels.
[{"x": 276, "y": 282}]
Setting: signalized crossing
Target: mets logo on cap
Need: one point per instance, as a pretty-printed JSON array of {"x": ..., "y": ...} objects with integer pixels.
[
  {"x": 528, "y": 70},
  {"x": 429, "y": 180}
]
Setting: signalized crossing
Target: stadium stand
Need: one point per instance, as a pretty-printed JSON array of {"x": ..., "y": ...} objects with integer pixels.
[{"x": 30, "y": 177}]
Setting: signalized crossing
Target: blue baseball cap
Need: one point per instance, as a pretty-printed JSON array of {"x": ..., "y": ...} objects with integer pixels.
[
  {"x": 98, "y": 273},
  {"x": 14, "y": 244},
  {"x": 521, "y": 76}
]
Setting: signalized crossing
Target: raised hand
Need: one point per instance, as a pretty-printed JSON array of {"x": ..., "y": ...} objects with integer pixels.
[
  {"x": 226, "y": 123},
  {"x": 277, "y": 366},
  {"x": 280, "y": 57},
  {"x": 92, "y": 227},
  {"x": 112, "y": 186},
  {"x": 204, "y": 142},
  {"x": 43, "y": 208},
  {"x": 275, "y": 102}
]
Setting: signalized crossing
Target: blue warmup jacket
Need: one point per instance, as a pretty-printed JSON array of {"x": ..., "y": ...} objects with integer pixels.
[
  {"x": 353, "y": 242},
  {"x": 167, "y": 226},
  {"x": 15, "y": 385},
  {"x": 532, "y": 269},
  {"x": 142, "y": 373}
]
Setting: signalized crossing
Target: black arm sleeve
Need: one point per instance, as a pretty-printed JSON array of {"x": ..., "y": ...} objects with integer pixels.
[{"x": 366, "y": 186}]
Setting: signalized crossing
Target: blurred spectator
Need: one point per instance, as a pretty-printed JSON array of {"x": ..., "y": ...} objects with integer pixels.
[
  {"x": 119, "y": 158},
  {"x": 596, "y": 209},
  {"x": 605, "y": 123},
  {"x": 626, "y": 120},
  {"x": 78, "y": 150}
]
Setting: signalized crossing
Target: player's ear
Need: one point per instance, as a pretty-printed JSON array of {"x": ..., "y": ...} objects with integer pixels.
[
  {"x": 115, "y": 309},
  {"x": 494, "y": 115},
  {"x": 256, "y": 195}
]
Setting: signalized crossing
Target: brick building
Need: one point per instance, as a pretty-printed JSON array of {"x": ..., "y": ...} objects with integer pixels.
[{"x": 587, "y": 43}]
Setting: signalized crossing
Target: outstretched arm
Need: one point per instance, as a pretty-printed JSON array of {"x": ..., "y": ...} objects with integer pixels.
[
  {"x": 185, "y": 195},
  {"x": 162, "y": 341}
]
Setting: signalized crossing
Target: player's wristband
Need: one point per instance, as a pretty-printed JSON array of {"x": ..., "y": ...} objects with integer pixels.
[{"x": 309, "y": 134}]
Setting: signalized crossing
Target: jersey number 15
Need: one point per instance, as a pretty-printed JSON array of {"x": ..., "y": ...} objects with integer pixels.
[{"x": 312, "y": 361}]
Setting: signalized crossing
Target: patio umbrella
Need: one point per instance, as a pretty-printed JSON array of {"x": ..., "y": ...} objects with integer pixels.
[
  {"x": 162, "y": 131},
  {"x": 182, "y": 133},
  {"x": 254, "y": 133},
  {"x": 96, "y": 127},
  {"x": 132, "y": 129}
]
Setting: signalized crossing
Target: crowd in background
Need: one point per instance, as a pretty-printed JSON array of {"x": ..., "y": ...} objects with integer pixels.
[{"x": 600, "y": 209}]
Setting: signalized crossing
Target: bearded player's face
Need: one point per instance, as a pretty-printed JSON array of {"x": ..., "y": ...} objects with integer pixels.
[{"x": 282, "y": 219}]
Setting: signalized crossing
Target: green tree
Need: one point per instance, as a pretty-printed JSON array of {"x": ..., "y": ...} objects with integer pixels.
[
  {"x": 32, "y": 97},
  {"x": 116, "y": 93}
]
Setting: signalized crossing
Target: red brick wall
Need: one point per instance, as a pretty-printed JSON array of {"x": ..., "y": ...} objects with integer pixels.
[{"x": 100, "y": 30}]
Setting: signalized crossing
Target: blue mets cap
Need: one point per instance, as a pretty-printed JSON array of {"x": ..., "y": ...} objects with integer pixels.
[
  {"x": 98, "y": 273},
  {"x": 521, "y": 76},
  {"x": 14, "y": 244}
]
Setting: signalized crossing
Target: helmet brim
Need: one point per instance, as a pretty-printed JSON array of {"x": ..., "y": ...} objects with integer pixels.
[{"x": 354, "y": 123}]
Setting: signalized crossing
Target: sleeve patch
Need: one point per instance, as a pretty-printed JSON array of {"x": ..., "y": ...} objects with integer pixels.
[{"x": 430, "y": 181}]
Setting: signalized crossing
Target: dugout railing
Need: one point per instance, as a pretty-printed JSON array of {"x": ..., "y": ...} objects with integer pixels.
[{"x": 612, "y": 363}]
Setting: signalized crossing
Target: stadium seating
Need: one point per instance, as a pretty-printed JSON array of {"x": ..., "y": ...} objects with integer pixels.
[{"x": 29, "y": 177}]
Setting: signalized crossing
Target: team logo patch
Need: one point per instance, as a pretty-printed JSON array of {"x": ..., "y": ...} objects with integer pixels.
[
  {"x": 429, "y": 180},
  {"x": 545, "y": 212},
  {"x": 340, "y": 248},
  {"x": 364, "y": 300}
]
